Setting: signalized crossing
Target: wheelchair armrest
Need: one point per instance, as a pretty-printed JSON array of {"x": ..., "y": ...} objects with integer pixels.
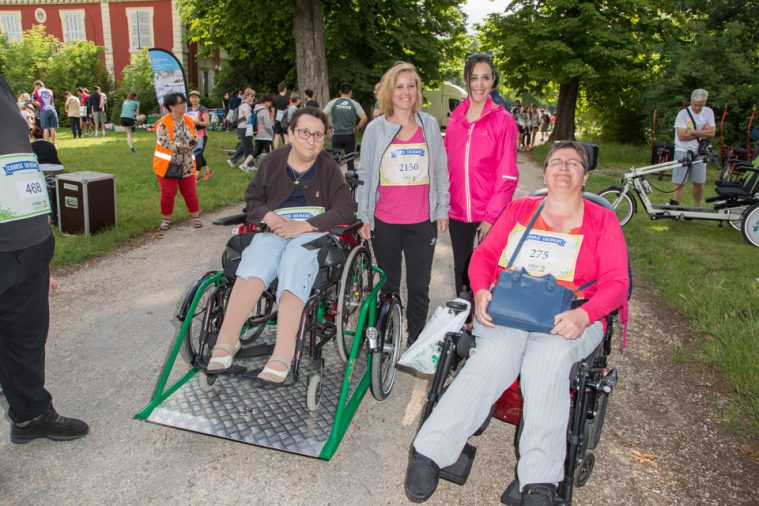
[
  {"x": 346, "y": 229},
  {"x": 235, "y": 219}
]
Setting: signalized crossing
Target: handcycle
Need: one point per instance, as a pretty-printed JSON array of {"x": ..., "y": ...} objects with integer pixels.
[
  {"x": 591, "y": 383},
  {"x": 737, "y": 206},
  {"x": 344, "y": 306}
]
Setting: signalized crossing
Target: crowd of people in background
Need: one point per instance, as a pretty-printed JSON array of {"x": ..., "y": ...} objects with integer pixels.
[{"x": 531, "y": 120}]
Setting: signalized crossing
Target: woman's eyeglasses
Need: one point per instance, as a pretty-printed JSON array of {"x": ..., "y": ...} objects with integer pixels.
[{"x": 304, "y": 134}]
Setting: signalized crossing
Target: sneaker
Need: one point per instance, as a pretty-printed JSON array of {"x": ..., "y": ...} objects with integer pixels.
[
  {"x": 49, "y": 425},
  {"x": 673, "y": 202},
  {"x": 208, "y": 176},
  {"x": 231, "y": 163},
  {"x": 538, "y": 494},
  {"x": 103, "y": 133},
  {"x": 95, "y": 136},
  {"x": 244, "y": 168},
  {"x": 422, "y": 477},
  {"x": 132, "y": 149}
]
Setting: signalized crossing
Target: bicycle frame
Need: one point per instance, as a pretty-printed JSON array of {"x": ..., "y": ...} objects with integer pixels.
[{"x": 636, "y": 180}]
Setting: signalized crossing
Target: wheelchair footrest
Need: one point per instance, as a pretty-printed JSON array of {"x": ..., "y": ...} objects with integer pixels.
[
  {"x": 458, "y": 472},
  {"x": 256, "y": 350},
  {"x": 512, "y": 496}
]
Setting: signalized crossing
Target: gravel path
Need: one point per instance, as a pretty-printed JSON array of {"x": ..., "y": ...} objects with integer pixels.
[{"x": 111, "y": 327}]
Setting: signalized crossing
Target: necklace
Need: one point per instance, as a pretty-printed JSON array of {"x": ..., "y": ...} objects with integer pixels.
[{"x": 297, "y": 177}]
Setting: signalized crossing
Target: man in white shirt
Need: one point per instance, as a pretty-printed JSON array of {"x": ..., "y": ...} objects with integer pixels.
[{"x": 692, "y": 124}]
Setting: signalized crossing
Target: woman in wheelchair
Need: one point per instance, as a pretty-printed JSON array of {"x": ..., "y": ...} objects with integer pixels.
[
  {"x": 575, "y": 240},
  {"x": 298, "y": 192}
]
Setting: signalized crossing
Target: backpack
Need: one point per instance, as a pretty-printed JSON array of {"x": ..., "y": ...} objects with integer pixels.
[
  {"x": 232, "y": 115},
  {"x": 286, "y": 118}
]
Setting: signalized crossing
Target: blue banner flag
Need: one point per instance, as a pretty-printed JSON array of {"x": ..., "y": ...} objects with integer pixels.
[{"x": 168, "y": 74}]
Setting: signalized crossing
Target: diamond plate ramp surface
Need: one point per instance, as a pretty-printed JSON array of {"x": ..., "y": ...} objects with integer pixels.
[{"x": 273, "y": 417}]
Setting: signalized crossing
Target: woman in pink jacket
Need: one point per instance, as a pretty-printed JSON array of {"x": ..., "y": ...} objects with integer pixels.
[{"x": 480, "y": 141}]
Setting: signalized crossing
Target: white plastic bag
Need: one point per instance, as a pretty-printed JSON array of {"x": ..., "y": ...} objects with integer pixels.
[{"x": 425, "y": 353}]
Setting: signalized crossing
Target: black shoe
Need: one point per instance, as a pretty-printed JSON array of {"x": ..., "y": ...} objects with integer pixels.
[
  {"x": 50, "y": 425},
  {"x": 538, "y": 494},
  {"x": 673, "y": 202},
  {"x": 422, "y": 477}
]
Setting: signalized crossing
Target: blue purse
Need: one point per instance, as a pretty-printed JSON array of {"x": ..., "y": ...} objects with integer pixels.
[{"x": 527, "y": 302}]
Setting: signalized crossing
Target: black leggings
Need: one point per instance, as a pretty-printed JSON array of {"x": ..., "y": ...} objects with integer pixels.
[
  {"x": 463, "y": 235},
  {"x": 261, "y": 147},
  {"x": 416, "y": 242}
]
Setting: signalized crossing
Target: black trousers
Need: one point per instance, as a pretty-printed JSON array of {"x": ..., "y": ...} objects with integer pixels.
[
  {"x": 346, "y": 142},
  {"x": 463, "y": 235},
  {"x": 24, "y": 281},
  {"x": 261, "y": 147},
  {"x": 416, "y": 243},
  {"x": 76, "y": 127}
]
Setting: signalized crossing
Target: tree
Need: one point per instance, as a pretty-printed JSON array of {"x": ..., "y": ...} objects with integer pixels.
[
  {"x": 360, "y": 38},
  {"x": 62, "y": 67},
  {"x": 600, "y": 48}
]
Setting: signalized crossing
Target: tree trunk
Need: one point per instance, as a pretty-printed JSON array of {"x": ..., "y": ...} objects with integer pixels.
[
  {"x": 564, "y": 129},
  {"x": 310, "y": 49}
]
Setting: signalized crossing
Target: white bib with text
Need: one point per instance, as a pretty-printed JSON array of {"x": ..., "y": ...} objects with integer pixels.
[
  {"x": 543, "y": 252},
  {"x": 405, "y": 165},
  {"x": 23, "y": 192},
  {"x": 300, "y": 213}
]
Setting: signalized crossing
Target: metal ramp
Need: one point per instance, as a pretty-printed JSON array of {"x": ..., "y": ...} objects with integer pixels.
[{"x": 242, "y": 410}]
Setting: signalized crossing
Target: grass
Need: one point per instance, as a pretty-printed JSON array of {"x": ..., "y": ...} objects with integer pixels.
[
  {"x": 137, "y": 195},
  {"x": 708, "y": 273}
]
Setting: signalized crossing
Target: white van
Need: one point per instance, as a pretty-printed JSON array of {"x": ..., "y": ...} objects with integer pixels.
[{"x": 441, "y": 102}]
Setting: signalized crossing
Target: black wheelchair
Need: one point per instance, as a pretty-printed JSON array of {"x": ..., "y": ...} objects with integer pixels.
[{"x": 335, "y": 310}]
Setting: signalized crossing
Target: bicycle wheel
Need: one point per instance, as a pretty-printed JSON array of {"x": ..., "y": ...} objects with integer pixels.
[
  {"x": 384, "y": 361},
  {"x": 356, "y": 282},
  {"x": 735, "y": 217},
  {"x": 624, "y": 205},
  {"x": 750, "y": 225}
]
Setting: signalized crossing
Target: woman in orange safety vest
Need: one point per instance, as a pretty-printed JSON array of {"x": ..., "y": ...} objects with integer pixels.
[{"x": 173, "y": 161}]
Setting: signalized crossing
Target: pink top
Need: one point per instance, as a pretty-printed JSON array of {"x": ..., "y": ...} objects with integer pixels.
[
  {"x": 482, "y": 162},
  {"x": 602, "y": 256},
  {"x": 404, "y": 204}
]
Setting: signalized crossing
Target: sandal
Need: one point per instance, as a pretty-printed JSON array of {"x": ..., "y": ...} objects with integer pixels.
[
  {"x": 274, "y": 376},
  {"x": 165, "y": 224},
  {"x": 224, "y": 362},
  {"x": 196, "y": 223}
]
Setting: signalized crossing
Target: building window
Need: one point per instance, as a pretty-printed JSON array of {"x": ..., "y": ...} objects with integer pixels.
[
  {"x": 72, "y": 22},
  {"x": 140, "y": 28},
  {"x": 10, "y": 25}
]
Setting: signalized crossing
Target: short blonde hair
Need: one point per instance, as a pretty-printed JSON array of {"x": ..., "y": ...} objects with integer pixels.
[
  {"x": 249, "y": 92},
  {"x": 387, "y": 85}
]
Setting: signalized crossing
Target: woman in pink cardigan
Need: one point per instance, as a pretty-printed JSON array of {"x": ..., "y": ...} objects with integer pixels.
[{"x": 576, "y": 241}]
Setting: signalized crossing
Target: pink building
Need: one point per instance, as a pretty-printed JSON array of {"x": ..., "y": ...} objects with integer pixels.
[{"x": 122, "y": 27}]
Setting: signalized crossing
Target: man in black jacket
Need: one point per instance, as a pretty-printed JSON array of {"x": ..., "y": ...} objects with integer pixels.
[{"x": 26, "y": 248}]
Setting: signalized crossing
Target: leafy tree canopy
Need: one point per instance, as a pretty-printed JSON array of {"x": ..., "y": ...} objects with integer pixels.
[{"x": 363, "y": 39}]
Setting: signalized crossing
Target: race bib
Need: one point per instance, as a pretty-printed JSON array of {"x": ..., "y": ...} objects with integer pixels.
[
  {"x": 543, "y": 252},
  {"x": 405, "y": 165},
  {"x": 23, "y": 192},
  {"x": 300, "y": 213},
  {"x": 279, "y": 115},
  {"x": 193, "y": 114}
]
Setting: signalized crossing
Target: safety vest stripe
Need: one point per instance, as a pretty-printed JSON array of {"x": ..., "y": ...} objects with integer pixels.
[{"x": 164, "y": 156}]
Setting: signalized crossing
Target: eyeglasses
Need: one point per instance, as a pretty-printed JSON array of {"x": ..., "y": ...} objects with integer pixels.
[
  {"x": 571, "y": 163},
  {"x": 305, "y": 133}
]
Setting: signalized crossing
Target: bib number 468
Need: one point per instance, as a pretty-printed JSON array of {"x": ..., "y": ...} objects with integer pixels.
[{"x": 30, "y": 189}]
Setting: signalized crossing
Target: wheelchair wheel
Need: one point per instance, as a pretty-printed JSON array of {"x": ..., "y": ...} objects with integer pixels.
[
  {"x": 356, "y": 282},
  {"x": 597, "y": 424},
  {"x": 384, "y": 360},
  {"x": 584, "y": 470},
  {"x": 192, "y": 340},
  {"x": 750, "y": 225},
  {"x": 314, "y": 392},
  {"x": 206, "y": 381},
  {"x": 624, "y": 206}
]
